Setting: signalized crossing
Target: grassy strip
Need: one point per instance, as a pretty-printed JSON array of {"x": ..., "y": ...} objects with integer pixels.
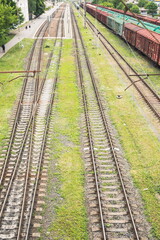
[
  {"x": 141, "y": 146},
  {"x": 48, "y": 46},
  {"x": 69, "y": 221},
  {"x": 13, "y": 60},
  {"x": 140, "y": 63}
]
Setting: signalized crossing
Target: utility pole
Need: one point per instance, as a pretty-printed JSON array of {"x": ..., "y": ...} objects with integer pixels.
[{"x": 84, "y": 13}]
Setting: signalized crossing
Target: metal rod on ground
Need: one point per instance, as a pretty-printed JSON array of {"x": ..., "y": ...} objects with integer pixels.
[
  {"x": 33, "y": 71},
  {"x": 147, "y": 74},
  {"x": 132, "y": 84}
]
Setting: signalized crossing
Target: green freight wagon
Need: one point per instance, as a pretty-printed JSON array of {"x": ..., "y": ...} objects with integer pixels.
[{"x": 116, "y": 25}]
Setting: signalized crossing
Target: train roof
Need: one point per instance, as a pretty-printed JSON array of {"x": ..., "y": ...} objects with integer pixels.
[
  {"x": 90, "y": 5},
  {"x": 155, "y": 37},
  {"x": 151, "y": 22},
  {"x": 118, "y": 20},
  {"x": 105, "y": 14},
  {"x": 132, "y": 27}
]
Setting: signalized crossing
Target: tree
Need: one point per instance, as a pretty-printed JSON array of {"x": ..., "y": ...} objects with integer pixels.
[
  {"x": 116, "y": 3},
  {"x": 40, "y": 7},
  {"x": 152, "y": 8},
  {"x": 107, "y": 4},
  {"x": 121, "y": 6},
  {"x": 135, "y": 9},
  {"x": 36, "y": 7},
  {"x": 142, "y": 3},
  {"x": 9, "y": 2},
  {"x": 129, "y": 5},
  {"x": 9, "y": 18},
  {"x": 15, "y": 10},
  {"x": 31, "y": 7}
]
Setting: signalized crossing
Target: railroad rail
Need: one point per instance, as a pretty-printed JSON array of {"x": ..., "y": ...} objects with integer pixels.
[
  {"x": 112, "y": 213},
  {"x": 21, "y": 169},
  {"x": 144, "y": 89},
  {"x": 18, "y": 138}
]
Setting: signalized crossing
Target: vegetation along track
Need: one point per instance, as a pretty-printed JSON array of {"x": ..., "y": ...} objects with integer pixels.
[
  {"x": 21, "y": 172},
  {"x": 148, "y": 94},
  {"x": 112, "y": 209}
]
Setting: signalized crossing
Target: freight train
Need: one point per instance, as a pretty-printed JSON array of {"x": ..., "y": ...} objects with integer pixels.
[
  {"x": 131, "y": 19},
  {"x": 146, "y": 41},
  {"x": 128, "y": 13}
]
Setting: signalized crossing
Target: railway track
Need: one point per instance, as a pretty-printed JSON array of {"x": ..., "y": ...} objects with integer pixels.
[
  {"x": 147, "y": 93},
  {"x": 21, "y": 170},
  {"x": 112, "y": 208}
]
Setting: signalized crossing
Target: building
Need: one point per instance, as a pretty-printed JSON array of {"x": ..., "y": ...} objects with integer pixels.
[
  {"x": 158, "y": 5},
  {"x": 23, "y": 4},
  {"x": 132, "y": 1},
  {"x": 143, "y": 11}
]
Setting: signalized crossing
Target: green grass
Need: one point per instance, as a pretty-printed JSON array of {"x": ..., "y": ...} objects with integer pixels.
[
  {"x": 48, "y": 46},
  {"x": 139, "y": 142},
  {"x": 13, "y": 60},
  {"x": 70, "y": 220}
]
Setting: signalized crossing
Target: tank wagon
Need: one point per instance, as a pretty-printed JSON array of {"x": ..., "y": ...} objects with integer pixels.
[{"x": 146, "y": 41}]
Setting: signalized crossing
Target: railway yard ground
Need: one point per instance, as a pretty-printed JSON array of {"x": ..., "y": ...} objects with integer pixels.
[{"x": 79, "y": 145}]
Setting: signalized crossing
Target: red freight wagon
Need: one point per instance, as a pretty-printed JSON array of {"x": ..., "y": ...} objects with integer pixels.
[
  {"x": 148, "y": 42},
  {"x": 130, "y": 32},
  {"x": 98, "y": 14},
  {"x": 91, "y": 9},
  {"x": 148, "y": 19},
  {"x": 104, "y": 17}
]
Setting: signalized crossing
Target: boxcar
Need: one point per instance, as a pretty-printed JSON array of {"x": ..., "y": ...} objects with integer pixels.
[
  {"x": 130, "y": 33},
  {"x": 104, "y": 17},
  {"x": 115, "y": 24},
  {"x": 110, "y": 22},
  {"x": 119, "y": 26},
  {"x": 98, "y": 14},
  {"x": 91, "y": 9},
  {"x": 148, "y": 42}
]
